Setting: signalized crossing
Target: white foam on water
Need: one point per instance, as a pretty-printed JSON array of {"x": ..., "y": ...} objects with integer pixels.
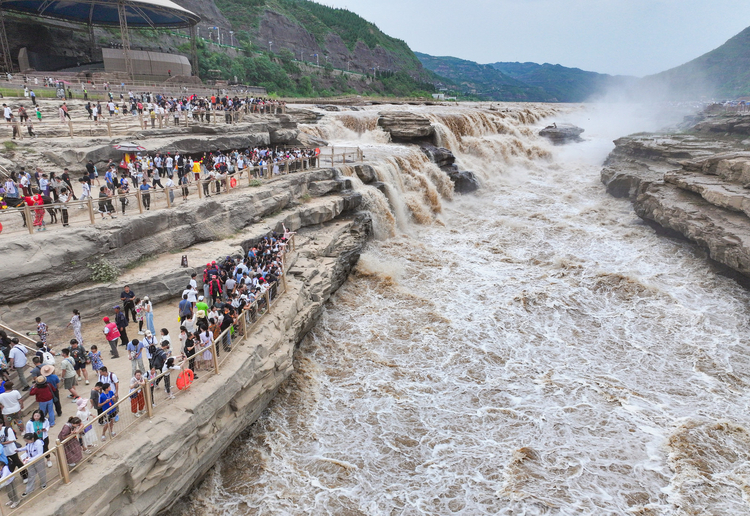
[{"x": 532, "y": 349}]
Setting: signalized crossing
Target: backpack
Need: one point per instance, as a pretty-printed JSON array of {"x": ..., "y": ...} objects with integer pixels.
[
  {"x": 48, "y": 358},
  {"x": 5, "y": 434},
  {"x": 158, "y": 359},
  {"x": 152, "y": 350}
]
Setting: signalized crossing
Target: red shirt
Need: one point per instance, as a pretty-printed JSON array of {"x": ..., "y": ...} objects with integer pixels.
[{"x": 43, "y": 393}]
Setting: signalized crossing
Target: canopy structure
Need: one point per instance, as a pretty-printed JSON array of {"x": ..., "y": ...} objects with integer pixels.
[{"x": 153, "y": 14}]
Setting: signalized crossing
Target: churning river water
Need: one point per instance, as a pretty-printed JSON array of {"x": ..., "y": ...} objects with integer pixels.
[{"x": 531, "y": 349}]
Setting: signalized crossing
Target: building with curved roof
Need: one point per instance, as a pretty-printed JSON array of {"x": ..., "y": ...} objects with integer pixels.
[{"x": 152, "y": 14}]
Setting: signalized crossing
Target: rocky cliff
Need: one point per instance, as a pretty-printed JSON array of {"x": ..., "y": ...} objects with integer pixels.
[
  {"x": 693, "y": 183},
  {"x": 152, "y": 466}
]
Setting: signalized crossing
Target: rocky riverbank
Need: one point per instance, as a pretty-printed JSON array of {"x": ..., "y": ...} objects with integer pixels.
[{"x": 693, "y": 182}]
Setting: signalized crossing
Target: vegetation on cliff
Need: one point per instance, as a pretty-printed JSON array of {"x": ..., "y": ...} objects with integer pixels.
[{"x": 722, "y": 73}]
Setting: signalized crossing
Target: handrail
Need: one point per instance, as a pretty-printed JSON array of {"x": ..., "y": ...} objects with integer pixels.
[
  {"x": 23, "y": 336},
  {"x": 243, "y": 325}
]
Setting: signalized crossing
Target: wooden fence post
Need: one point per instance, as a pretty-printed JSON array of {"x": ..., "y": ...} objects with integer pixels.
[
  {"x": 109, "y": 128},
  {"x": 140, "y": 201},
  {"x": 200, "y": 190},
  {"x": 91, "y": 210},
  {"x": 29, "y": 219},
  {"x": 216, "y": 357},
  {"x": 62, "y": 461},
  {"x": 70, "y": 127},
  {"x": 149, "y": 401},
  {"x": 167, "y": 190}
]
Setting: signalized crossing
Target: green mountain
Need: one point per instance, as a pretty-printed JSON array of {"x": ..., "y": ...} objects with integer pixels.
[
  {"x": 722, "y": 73},
  {"x": 565, "y": 84},
  {"x": 483, "y": 81}
]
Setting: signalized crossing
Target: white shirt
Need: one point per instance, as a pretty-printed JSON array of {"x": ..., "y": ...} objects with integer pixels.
[
  {"x": 9, "y": 449},
  {"x": 193, "y": 283},
  {"x": 45, "y": 428},
  {"x": 10, "y": 402},
  {"x": 8, "y": 112},
  {"x": 18, "y": 354},
  {"x": 110, "y": 378}
]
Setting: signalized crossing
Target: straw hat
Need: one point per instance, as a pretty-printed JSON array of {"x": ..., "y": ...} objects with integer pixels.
[
  {"x": 40, "y": 380},
  {"x": 47, "y": 370}
]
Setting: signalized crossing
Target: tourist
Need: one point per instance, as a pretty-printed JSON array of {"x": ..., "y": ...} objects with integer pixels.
[
  {"x": 95, "y": 358},
  {"x": 94, "y": 396},
  {"x": 139, "y": 315},
  {"x": 127, "y": 297},
  {"x": 106, "y": 404},
  {"x": 112, "y": 334},
  {"x": 10, "y": 448},
  {"x": 111, "y": 378},
  {"x": 6, "y": 480},
  {"x": 135, "y": 355},
  {"x": 185, "y": 307},
  {"x": 169, "y": 366},
  {"x": 48, "y": 371},
  {"x": 166, "y": 338},
  {"x": 39, "y": 426},
  {"x": 89, "y": 436},
  {"x": 69, "y": 374},
  {"x": 144, "y": 190},
  {"x": 148, "y": 314},
  {"x": 12, "y": 403},
  {"x": 79, "y": 355},
  {"x": 122, "y": 323},
  {"x": 137, "y": 397},
  {"x": 105, "y": 203},
  {"x": 75, "y": 322},
  {"x": 72, "y": 447},
  {"x": 17, "y": 360},
  {"x": 190, "y": 349},
  {"x": 34, "y": 448},
  {"x": 45, "y": 396}
]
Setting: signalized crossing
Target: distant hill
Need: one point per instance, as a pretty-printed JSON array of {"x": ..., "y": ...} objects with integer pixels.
[
  {"x": 723, "y": 73},
  {"x": 565, "y": 84},
  {"x": 483, "y": 81}
]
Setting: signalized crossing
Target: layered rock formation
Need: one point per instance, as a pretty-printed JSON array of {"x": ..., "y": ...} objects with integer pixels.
[{"x": 693, "y": 183}]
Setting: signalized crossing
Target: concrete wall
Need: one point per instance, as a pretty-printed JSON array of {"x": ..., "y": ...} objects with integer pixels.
[{"x": 148, "y": 64}]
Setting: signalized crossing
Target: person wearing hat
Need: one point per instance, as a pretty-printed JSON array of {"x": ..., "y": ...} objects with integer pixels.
[
  {"x": 45, "y": 396},
  {"x": 111, "y": 333},
  {"x": 48, "y": 371},
  {"x": 201, "y": 305},
  {"x": 122, "y": 324}
]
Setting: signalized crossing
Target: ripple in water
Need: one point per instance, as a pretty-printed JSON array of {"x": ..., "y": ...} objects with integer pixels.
[{"x": 540, "y": 352}]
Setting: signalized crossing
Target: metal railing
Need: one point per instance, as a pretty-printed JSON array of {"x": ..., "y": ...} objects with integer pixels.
[
  {"x": 19, "y": 219},
  {"x": 123, "y": 413}
]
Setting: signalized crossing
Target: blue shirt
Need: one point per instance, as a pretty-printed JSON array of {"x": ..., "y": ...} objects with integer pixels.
[
  {"x": 136, "y": 349},
  {"x": 145, "y": 187},
  {"x": 53, "y": 380},
  {"x": 105, "y": 400}
]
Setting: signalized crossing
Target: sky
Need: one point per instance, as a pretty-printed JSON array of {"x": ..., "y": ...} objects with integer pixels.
[{"x": 619, "y": 37}]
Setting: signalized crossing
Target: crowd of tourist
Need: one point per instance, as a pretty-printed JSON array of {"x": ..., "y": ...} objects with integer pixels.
[
  {"x": 229, "y": 289},
  {"x": 49, "y": 194},
  {"x": 154, "y": 106}
]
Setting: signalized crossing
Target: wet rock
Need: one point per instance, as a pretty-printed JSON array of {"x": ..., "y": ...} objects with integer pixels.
[
  {"x": 406, "y": 127},
  {"x": 380, "y": 186},
  {"x": 562, "y": 133},
  {"x": 441, "y": 156},
  {"x": 465, "y": 182}
]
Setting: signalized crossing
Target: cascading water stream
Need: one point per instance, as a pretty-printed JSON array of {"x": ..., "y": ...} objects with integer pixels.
[{"x": 531, "y": 349}]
